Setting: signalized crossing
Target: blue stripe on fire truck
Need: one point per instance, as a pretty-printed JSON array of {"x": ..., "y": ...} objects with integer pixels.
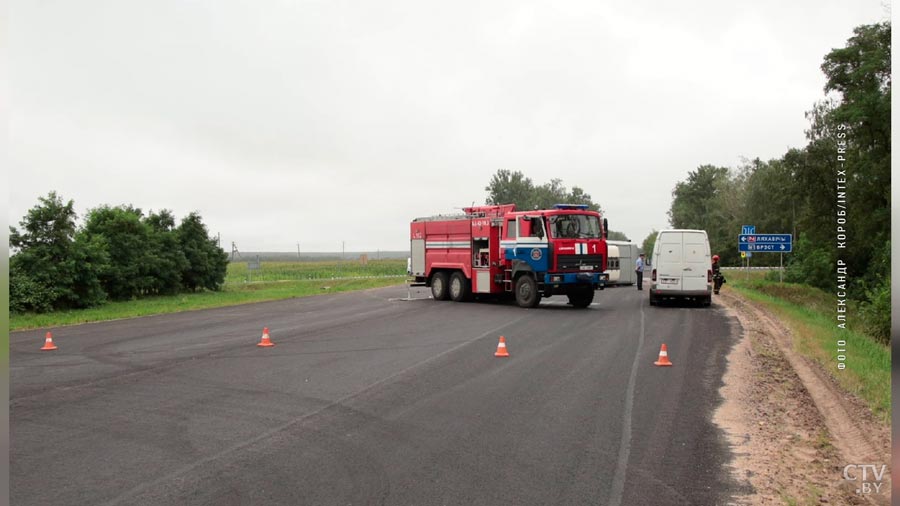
[{"x": 533, "y": 254}]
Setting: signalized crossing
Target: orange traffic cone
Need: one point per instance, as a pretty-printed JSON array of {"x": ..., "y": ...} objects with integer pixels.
[
  {"x": 501, "y": 348},
  {"x": 48, "y": 343},
  {"x": 663, "y": 356},
  {"x": 265, "y": 341}
]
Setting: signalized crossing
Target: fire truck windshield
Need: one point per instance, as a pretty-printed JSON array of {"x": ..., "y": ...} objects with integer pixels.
[{"x": 574, "y": 226}]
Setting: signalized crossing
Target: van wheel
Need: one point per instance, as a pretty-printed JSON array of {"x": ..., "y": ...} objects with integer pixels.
[
  {"x": 459, "y": 287},
  {"x": 526, "y": 292},
  {"x": 439, "y": 286},
  {"x": 653, "y": 301},
  {"x": 707, "y": 301}
]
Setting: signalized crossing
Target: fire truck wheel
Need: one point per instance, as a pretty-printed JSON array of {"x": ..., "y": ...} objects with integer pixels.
[
  {"x": 582, "y": 298},
  {"x": 459, "y": 287},
  {"x": 526, "y": 292},
  {"x": 439, "y": 286}
]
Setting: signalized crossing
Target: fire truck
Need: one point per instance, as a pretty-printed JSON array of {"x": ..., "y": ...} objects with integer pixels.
[{"x": 496, "y": 250}]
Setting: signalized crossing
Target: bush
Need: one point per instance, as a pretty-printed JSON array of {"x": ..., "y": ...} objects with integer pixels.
[
  {"x": 811, "y": 265},
  {"x": 875, "y": 310},
  {"x": 27, "y": 294},
  {"x": 875, "y": 315}
]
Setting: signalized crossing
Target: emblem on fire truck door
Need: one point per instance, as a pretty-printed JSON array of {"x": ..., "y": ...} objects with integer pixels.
[{"x": 536, "y": 254}]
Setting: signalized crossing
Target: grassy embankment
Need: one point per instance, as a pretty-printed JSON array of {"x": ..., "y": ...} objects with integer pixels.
[
  {"x": 273, "y": 281},
  {"x": 811, "y": 314}
]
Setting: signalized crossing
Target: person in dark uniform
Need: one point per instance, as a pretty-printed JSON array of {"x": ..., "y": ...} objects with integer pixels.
[{"x": 718, "y": 278}]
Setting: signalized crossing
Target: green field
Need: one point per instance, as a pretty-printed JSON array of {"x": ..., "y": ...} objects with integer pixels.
[
  {"x": 272, "y": 281},
  {"x": 238, "y": 272},
  {"x": 810, "y": 313}
]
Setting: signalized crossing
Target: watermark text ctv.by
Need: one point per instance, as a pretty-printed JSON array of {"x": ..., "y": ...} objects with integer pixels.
[
  {"x": 867, "y": 478},
  {"x": 842, "y": 231}
]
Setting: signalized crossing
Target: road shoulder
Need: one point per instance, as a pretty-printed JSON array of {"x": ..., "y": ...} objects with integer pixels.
[{"x": 791, "y": 429}]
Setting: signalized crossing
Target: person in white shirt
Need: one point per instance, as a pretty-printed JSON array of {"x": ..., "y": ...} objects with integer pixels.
[{"x": 639, "y": 270}]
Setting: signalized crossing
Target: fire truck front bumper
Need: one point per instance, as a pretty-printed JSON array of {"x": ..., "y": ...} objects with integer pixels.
[{"x": 596, "y": 279}]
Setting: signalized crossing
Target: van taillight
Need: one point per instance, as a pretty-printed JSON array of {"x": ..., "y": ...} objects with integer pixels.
[
  {"x": 653, "y": 275},
  {"x": 709, "y": 276}
]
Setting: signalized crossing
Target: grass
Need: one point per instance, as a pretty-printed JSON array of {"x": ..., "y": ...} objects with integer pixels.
[
  {"x": 811, "y": 314},
  {"x": 272, "y": 281},
  {"x": 813, "y": 493},
  {"x": 238, "y": 272}
]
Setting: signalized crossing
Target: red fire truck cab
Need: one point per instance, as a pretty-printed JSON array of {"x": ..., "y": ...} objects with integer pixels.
[{"x": 497, "y": 250}]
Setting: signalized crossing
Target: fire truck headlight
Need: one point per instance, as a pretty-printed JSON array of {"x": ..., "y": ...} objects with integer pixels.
[{"x": 556, "y": 279}]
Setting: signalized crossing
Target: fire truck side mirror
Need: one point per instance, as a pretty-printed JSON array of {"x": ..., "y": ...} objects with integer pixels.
[{"x": 605, "y": 228}]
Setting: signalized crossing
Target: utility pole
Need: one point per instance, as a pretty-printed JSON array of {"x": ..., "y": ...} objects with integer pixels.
[{"x": 298, "y": 251}]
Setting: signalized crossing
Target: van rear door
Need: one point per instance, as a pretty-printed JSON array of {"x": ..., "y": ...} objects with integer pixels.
[
  {"x": 696, "y": 261},
  {"x": 668, "y": 261}
]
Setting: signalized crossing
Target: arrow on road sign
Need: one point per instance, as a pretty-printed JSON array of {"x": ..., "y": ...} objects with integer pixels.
[{"x": 775, "y": 243}]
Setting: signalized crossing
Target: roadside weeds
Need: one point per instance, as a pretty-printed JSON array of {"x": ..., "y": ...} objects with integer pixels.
[{"x": 791, "y": 429}]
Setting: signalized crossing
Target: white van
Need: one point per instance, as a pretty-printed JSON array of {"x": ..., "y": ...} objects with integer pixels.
[{"x": 682, "y": 266}]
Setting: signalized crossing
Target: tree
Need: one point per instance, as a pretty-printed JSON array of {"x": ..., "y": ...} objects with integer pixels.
[
  {"x": 861, "y": 74},
  {"x": 840, "y": 178},
  {"x": 649, "y": 242},
  {"x": 507, "y": 187},
  {"x": 206, "y": 261},
  {"x": 118, "y": 253},
  {"x": 53, "y": 267},
  {"x": 708, "y": 201},
  {"x": 856, "y": 126},
  {"x": 127, "y": 239},
  {"x": 165, "y": 257},
  {"x": 693, "y": 201}
]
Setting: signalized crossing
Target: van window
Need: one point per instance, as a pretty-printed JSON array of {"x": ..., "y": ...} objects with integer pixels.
[
  {"x": 695, "y": 248},
  {"x": 670, "y": 247}
]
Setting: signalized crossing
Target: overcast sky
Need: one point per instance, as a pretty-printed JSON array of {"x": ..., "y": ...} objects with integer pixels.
[{"x": 326, "y": 121}]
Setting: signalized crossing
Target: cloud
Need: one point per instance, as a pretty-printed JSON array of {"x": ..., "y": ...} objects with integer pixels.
[{"x": 265, "y": 117}]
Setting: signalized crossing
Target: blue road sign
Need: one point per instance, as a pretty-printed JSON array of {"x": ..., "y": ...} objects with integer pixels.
[
  {"x": 748, "y": 229},
  {"x": 771, "y": 243}
]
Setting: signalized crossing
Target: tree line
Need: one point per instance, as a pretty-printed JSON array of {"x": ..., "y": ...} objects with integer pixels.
[
  {"x": 118, "y": 254},
  {"x": 513, "y": 187},
  {"x": 833, "y": 195}
]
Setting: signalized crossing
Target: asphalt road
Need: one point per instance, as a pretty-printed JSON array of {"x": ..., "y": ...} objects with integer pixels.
[{"x": 365, "y": 399}]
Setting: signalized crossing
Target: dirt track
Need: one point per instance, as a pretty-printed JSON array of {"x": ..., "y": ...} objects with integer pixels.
[{"x": 792, "y": 429}]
